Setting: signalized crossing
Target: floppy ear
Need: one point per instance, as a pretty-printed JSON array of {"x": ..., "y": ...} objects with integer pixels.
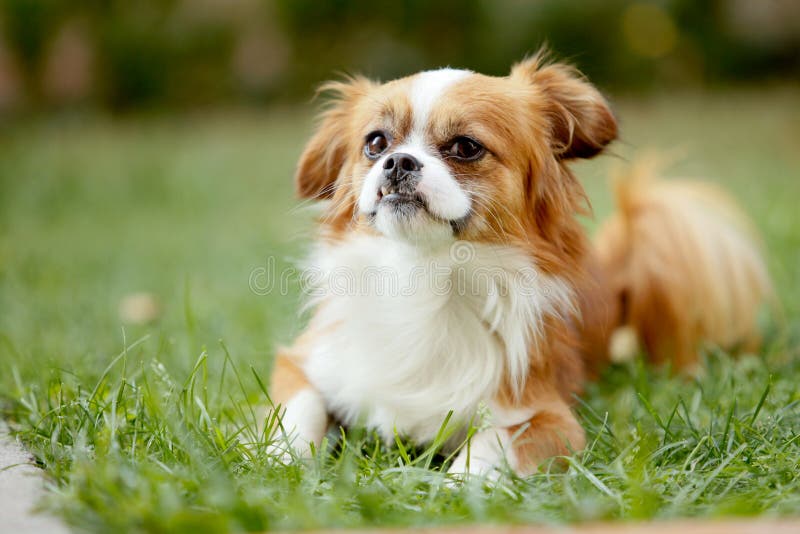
[
  {"x": 581, "y": 120},
  {"x": 326, "y": 151}
]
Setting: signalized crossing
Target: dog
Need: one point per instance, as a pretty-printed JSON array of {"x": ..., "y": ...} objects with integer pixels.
[{"x": 450, "y": 275}]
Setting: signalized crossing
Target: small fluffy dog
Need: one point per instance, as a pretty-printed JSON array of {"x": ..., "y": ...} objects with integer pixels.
[{"x": 450, "y": 272}]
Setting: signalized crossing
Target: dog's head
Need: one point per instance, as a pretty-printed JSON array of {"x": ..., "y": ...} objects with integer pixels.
[{"x": 449, "y": 154}]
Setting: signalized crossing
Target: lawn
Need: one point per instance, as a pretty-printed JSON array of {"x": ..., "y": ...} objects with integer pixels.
[{"x": 153, "y": 427}]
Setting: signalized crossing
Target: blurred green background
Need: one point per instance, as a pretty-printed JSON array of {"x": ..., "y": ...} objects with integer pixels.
[{"x": 126, "y": 55}]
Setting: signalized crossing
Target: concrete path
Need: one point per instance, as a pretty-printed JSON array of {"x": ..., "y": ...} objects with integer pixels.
[{"x": 21, "y": 488}]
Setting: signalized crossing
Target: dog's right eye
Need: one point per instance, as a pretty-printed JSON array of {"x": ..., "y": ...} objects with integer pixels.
[{"x": 376, "y": 144}]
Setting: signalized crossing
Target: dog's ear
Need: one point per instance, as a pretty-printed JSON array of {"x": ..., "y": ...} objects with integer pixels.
[
  {"x": 581, "y": 120},
  {"x": 326, "y": 151}
]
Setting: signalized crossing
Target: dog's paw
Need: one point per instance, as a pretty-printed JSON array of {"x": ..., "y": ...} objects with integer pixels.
[
  {"x": 488, "y": 454},
  {"x": 302, "y": 426},
  {"x": 286, "y": 449}
]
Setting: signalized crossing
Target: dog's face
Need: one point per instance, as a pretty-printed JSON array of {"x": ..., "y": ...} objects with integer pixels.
[{"x": 453, "y": 154}]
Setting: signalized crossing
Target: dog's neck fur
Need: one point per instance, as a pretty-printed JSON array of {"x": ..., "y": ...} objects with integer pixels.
[{"x": 403, "y": 334}]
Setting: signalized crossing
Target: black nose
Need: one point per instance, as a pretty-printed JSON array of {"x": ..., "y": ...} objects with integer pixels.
[{"x": 399, "y": 166}]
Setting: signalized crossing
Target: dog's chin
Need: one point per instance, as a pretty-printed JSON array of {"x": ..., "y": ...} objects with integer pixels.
[{"x": 407, "y": 218}]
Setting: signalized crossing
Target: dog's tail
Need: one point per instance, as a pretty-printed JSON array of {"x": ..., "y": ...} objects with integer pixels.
[{"x": 685, "y": 265}]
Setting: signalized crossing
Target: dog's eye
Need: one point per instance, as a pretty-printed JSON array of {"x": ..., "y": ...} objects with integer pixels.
[
  {"x": 376, "y": 144},
  {"x": 464, "y": 149}
]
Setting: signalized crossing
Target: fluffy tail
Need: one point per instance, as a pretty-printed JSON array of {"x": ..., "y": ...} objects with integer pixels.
[{"x": 685, "y": 265}]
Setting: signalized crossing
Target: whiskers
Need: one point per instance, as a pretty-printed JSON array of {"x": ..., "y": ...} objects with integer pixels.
[
  {"x": 323, "y": 194},
  {"x": 480, "y": 195}
]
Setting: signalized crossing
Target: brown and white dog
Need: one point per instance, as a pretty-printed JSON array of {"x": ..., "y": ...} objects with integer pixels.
[{"x": 450, "y": 272}]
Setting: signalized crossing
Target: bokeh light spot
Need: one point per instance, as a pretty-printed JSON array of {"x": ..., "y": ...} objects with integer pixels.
[{"x": 649, "y": 30}]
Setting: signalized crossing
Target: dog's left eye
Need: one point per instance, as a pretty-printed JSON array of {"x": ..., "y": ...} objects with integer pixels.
[{"x": 464, "y": 148}]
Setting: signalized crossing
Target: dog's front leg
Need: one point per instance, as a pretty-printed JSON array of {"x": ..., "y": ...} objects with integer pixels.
[
  {"x": 551, "y": 430},
  {"x": 304, "y": 416}
]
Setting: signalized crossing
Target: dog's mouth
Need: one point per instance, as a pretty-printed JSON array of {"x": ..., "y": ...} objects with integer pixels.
[
  {"x": 396, "y": 200},
  {"x": 402, "y": 201},
  {"x": 408, "y": 204}
]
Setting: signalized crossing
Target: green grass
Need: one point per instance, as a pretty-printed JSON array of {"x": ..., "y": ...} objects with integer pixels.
[{"x": 146, "y": 427}]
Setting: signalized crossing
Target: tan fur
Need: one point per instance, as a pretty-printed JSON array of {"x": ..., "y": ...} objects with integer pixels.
[
  {"x": 580, "y": 120},
  {"x": 325, "y": 153},
  {"x": 675, "y": 262},
  {"x": 552, "y": 431},
  {"x": 287, "y": 378},
  {"x": 685, "y": 266}
]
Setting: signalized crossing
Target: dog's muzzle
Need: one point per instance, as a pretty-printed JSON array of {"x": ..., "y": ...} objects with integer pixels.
[{"x": 401, "y": 174}]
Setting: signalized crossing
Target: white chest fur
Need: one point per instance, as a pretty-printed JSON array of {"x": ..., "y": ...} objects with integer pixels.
[{"x": 401, "y": 336}]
